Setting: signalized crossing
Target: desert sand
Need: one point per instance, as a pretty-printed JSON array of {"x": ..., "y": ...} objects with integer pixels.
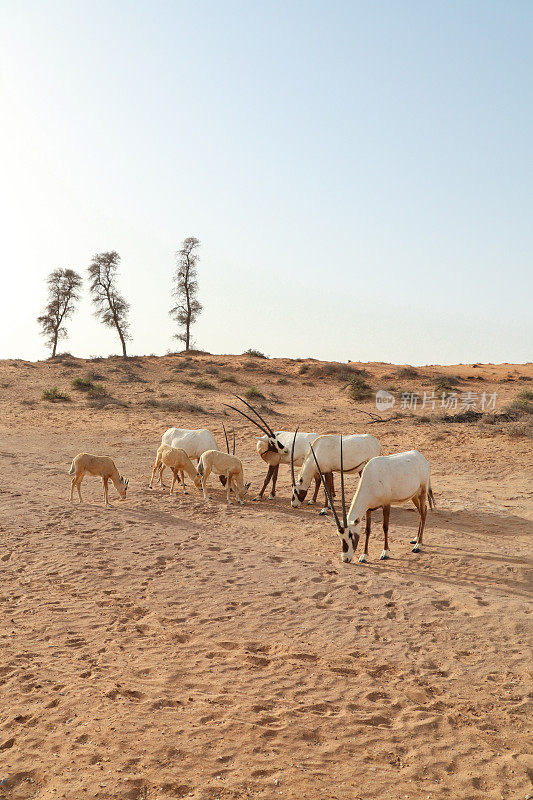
[{"x": 164, "y": 648}]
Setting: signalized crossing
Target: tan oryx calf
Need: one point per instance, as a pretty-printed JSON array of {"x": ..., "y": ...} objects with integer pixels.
[
  {"x": 226, "y": 465},
  {"x": 179, "y": 462},
  {"x": 101, "y": 466}
]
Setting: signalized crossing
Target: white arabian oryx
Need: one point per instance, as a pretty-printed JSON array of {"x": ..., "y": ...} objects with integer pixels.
[
  {"x": 273, "y": 447},
  {"x": 358, "y": 449},
  {"x": 386, "y": 481},
  {"x": 194, "y": 441}
]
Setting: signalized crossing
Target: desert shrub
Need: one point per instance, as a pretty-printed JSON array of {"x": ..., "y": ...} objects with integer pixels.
[
  {"x": 303, "y": 369},
  {"x": 526, "y": 396},
  {"x": 105, "y": 401},
  {"x": 445, "y": 383},
  {"x": 204, "y": 385},
  {"x": 358, "y": 388},
  {"x": 228, "y": 378},
  {"x": 82, "y": 384},
  {"x": 212, "y": 370},
  {"x": 517, "y": 430},
  {"x": 341, "y": 372},
  {"x": 282, "y": 381},
  {"x": 132, "y": 377},
  {"x": 407, "y": 372},
  {"x": 54, "y": 395},
  {"x": 254, "y": 353},
  {"x": 253, "y": 393},
  {"x": 175, "y": 406},
  {"x": 97, "y": 390}
]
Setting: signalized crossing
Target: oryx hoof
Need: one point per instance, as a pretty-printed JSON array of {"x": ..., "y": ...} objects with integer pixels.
[
  {"x": 311, "y": 502},
  {"x": 413, "y": 541},
  {"x": 362, "y": 558},
  {"x": 384, "y": 555},
  {"x": 271, "y": 496},
  {"x": 416, "y": 548},
  {"x": 322, "y": 512},
  {"x": 256, "y": 499}
]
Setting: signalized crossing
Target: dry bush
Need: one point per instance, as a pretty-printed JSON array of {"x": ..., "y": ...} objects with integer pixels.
[
  {"x": 175, "y": 406},
  {"x": 253, "y": 393},
  {"x": 282, "y": 381},
  {"x": 228, "y": 378},
  {"x": 254, "y": 353},
  {"x": 54, "y": 395},
  {"x": 517, "y": 430},
  {"x": 445, "y": 383},
  {"x": 204, "y": 385},
  {"x": 82, "y": 384},
  {"x": 358, "y": 388},
  {"x": 407, "y": 372}
]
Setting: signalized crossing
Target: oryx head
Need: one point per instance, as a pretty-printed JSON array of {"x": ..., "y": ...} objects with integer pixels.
[
  {"x": 123, "y": 487},
  {"x": 348, "y": 534},
  {"x": 274, "y": 445},
  {"x": 298, "y": 492}
]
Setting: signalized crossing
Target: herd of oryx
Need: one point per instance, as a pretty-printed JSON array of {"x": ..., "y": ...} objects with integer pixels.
[{"x": 384, "y": 480}]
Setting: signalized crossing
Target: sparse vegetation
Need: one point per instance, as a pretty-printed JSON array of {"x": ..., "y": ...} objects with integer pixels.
[
  {"x": 54, "y": 395},
  {"x": 254, "y": 353},
  {"x": 358, "y": 388},
  {"x": 82, "y": 384},
  {"x": 253, "y": 393},
  {"x": 176, "y": 406},
  {"x": 445, "y": 383},
  {"x": 407, "y": 372},
  {"x": 228, "y": 378},
  {"x": 203, "y": 384}
]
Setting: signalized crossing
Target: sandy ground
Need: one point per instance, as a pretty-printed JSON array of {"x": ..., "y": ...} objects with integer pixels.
[{"x": 167, "y": 649}]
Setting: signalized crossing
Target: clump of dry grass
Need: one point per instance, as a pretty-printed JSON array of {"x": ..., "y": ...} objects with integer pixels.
[
  {"x": 254, "y": 353},
  {"x": 358, "y": 388},
  {"x": 253, "y": 393},
  {"x": 407, "y": 372},
  {"x": 204, "y": 385},
  {"x": 227, "y": 378},
  {"x": 54, "y": 395}
]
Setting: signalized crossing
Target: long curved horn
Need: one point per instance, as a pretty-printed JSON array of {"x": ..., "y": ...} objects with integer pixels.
[
  {"x": 293, "y": 479},
  {"x": 233, "y": 440},
  {"x": 253, "y": 421},
  {"x": 339, "y": 526},
  {"x": 344, "y": 519},
  {"x": 226, "y": 435},
  {"x": 265, "y": 423}
]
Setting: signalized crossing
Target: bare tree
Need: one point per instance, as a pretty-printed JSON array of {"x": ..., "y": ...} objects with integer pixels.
[
  {"x": 110, "y": 307},
  {"x": 63, "y": 292},
  {"x": 188, "y": 307}
]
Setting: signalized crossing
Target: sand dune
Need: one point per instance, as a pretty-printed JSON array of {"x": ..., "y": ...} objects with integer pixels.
[{"x": 166, "y": 649}]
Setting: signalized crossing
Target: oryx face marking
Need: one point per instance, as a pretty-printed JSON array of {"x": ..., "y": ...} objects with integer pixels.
[{"x": 298, "y": 496}]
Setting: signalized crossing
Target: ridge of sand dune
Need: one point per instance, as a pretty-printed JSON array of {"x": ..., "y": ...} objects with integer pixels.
[{"x": 163, "y": 649}]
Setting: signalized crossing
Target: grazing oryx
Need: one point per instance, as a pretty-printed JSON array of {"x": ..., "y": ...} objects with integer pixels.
[
  {"x": 193, "y": 441},
  {"x": 301, "y": 448},
  {"x": 358, "y": 449},
  {"x": 103, "y": 467},
  {"x": 179, "y": 462},
  {"x": 228, "y": 466},
  {"x": 386, "y": 480}
]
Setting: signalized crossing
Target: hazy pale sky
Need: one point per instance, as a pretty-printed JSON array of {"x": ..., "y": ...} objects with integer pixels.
[{"x": 359, "y": 173}]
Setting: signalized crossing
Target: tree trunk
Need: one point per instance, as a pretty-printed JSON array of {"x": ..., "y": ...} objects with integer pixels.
[
  {"x": 54, "y": 346},
  {"x": 122, "y": 341}
]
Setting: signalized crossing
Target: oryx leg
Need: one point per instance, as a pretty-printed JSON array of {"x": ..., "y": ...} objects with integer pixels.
[
  {"x": 423, "y": 510},
  {"x": 312, "y": 500},
  {"x": 228, "y": 488},
  {"x": 386, "y": 515},
  {"x": 328, "y": 477},
  {"x": 272, "y": 494},
  {"x": 205, "y": 476},
  {"x": 266, "y": 482},
  {"x": 174, "y": 479},
  {"x": 76, "y": 482},
  {"x": 364, "y": 555},
  {"x": 158, "y": 465},
  {"x": 106, "y": 495},
  {"x": 182, "y": 478},
  {"x": 417, "y": 504}
]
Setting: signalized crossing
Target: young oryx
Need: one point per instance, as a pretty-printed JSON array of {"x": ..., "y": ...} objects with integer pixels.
[
  {"x": 179, "y": 462},
  {"x": 274, "y": 459},
  {"x": 274, "y": 445},
  {"x": 193, "y": 441},
  {"x": 226, "y": 466},
  {"x": 386, "y": 481},
  {"x": 358, "y": 449},
  {"x": 101, "y": 466}
]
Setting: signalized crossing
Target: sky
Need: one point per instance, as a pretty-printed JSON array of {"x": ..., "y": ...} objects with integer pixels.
[{"x": 359, "y": 173}]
